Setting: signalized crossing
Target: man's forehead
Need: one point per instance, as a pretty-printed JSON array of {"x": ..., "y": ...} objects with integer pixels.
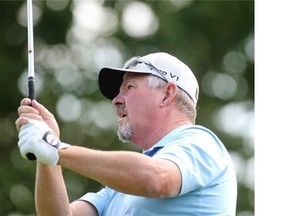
[
  {"x": 132, "y": 77},
  {"x": 128, "y": 75}
]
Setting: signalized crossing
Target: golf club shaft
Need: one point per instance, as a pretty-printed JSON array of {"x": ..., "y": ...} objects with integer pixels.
[{"x": 31, "y": 87}]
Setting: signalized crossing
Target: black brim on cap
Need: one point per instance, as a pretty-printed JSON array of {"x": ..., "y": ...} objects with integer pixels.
[{"x": 110, "y": 80}]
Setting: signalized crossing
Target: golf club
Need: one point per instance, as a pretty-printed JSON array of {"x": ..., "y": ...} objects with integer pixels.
[{"x": 31, "y": 87}]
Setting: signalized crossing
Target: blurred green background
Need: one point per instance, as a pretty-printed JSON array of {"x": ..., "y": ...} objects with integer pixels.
[{"x": 73, "y": 39}]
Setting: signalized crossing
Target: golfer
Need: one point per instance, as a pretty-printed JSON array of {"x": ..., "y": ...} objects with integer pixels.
[{"x": 184, "y": 168}]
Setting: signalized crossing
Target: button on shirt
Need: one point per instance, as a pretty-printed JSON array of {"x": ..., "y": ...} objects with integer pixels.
[{"x": 209, "y": 184}]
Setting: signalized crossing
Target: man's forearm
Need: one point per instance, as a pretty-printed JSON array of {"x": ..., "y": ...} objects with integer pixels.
[
  {"x": 127, "y": 172},
  {"x": 50, "y": 193}
]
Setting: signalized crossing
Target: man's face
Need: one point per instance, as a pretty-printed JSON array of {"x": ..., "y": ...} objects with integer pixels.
[{"x": 136, "y": 106}]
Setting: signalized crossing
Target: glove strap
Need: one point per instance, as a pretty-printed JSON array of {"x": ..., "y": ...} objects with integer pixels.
[
  {"x": 63, "y": 145},
  {"x": 50, "y": 138}
]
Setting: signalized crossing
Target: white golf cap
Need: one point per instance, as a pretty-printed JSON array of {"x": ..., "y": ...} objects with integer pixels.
[{"x": 163, "y": 65}]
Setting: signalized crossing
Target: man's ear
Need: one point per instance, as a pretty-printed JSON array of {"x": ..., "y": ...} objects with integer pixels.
[{"x": 170, "y": 92}]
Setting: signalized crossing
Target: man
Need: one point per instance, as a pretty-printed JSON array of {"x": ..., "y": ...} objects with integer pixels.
[{"x": 184, "y": 169}]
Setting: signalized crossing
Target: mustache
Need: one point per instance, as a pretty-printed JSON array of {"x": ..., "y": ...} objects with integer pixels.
[{"x": 121, "y": 109}]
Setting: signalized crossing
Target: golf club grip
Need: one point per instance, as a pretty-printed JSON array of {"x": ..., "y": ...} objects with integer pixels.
[
  {"x": 31, "y": 95},
  {"x": 31, "y": 88},
  {"x": 31, "y": 156}
]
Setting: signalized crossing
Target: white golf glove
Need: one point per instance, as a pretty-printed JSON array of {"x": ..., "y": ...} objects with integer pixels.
[{"x": 37, "y": 138}]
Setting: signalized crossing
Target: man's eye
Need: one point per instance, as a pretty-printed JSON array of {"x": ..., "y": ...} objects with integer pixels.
[{"x": 129, "y": 87}]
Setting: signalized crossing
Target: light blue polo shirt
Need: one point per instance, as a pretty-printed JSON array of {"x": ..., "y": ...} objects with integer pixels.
[{"x": 209, "y": 184}]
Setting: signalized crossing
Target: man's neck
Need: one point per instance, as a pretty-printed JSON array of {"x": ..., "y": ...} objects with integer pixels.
[{"x": 157, "y": 132}]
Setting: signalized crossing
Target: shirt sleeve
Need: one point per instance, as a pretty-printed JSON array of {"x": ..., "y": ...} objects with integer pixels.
[
  {"x": 199, "y": 163},
  {"x": 99, "y": 200}
]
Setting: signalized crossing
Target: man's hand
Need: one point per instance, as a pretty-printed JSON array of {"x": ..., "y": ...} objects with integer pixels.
[
  {"x": 37, "y": 138},
  {"x": 33, "y": 110}
]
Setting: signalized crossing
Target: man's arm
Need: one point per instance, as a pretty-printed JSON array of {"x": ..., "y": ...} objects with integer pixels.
[
  {"x": 124, "y": 171},
  {"x": 50, "y": 191},
  {"x": 51, "y": 195}
]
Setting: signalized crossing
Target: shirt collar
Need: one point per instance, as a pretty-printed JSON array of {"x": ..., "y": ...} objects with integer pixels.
[{"x": 165, "y": 140}]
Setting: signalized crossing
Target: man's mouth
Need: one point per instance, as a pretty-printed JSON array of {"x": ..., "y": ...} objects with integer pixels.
[
  {"x": 122, "y": 112},
  {"x": 122, "y": 119},
  {"x": 123, "y": 115}
]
